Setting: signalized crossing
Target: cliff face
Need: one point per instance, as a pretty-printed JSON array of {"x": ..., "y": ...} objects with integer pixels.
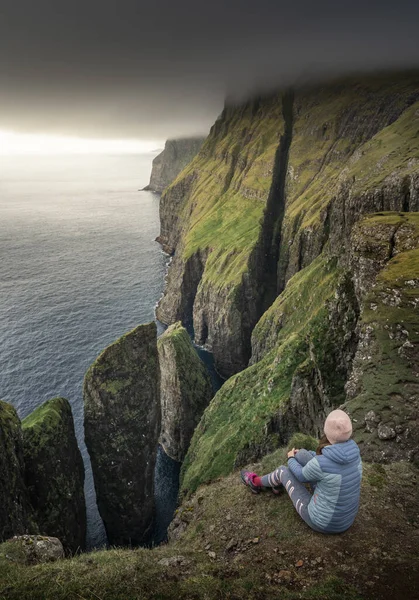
[
  {"x": 285, "y": 254},
  {"x": 122, "y": 425},
  {"x": 383, "y": 389},
  {"x": 55, "y": 473},
  {"x": 278, "y": 180},
  {"x": 211, "y": 214},
  {"x": 16, "y": 515},
  {"x": 185, "y": 390},
  {"x": 174, "y": 158}
]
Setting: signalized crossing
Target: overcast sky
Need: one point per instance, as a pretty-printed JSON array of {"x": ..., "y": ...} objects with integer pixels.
[{"x": 152, "y": 70}]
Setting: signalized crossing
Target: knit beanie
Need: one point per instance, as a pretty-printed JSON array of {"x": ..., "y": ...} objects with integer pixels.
[{"x": 338, "y": 427}]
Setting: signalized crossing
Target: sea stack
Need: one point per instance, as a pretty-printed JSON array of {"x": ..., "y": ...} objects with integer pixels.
[
  {"x": 55, "y": 473},
  {"x": 122, "y": 425},
  {"x": 16, "y": 515},
  {"x": 185, "y": 390}
]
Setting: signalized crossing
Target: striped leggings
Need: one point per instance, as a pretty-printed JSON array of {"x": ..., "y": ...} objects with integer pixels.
[{"x": 299, "y": 494}]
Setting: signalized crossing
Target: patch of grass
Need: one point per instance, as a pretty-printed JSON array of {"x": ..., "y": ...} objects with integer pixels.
[{"x": 377, "y": 476}]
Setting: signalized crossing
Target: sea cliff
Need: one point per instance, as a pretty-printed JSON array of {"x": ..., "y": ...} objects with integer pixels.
[
  {"x": 172, "y": 160},
  {"x": 276, "y": 263},
  {"x": 277, "y": 180}
]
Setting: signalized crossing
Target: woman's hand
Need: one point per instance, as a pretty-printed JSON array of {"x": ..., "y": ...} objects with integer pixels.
[{"x": 292, "y": 452}]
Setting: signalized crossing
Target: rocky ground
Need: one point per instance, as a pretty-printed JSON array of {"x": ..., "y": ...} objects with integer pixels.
[{"x": 228, "y": 543}]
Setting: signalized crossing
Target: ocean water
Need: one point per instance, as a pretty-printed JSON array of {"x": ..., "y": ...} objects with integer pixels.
[{"x": 78, "y": 268}]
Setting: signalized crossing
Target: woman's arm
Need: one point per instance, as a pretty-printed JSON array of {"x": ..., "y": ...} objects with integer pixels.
[{"x": 297, "y": 470}]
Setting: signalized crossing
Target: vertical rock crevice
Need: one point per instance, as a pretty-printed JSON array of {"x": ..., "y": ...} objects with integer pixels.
[{"x": 266, "y": 257}]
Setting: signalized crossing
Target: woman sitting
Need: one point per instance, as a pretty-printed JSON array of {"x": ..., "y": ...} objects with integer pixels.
[{"x": 334, "y": 473}]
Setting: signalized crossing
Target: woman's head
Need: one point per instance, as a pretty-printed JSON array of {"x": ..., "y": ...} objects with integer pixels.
[
  {"x": 337, "y": 427},
  {"x": 323, "y": 442}
]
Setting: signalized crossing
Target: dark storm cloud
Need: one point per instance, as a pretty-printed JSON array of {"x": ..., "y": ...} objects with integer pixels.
[{"x": 153, "y": 69}]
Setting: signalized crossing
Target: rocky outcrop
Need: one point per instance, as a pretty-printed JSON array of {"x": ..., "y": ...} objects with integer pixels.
[
  {"x": 16, "y": 515},
  {"x": 33, "y": 549},
  {"x": 383, "y": 389},
  {"x": 318, "y": 384},
  {"x": 174, "y": 158},
  {"x": 185, "y": 390},
  {"x": 55, "y": 473},
  {"x": 122, "y": 426}
]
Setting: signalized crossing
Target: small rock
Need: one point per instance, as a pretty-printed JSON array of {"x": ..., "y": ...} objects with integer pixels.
[
  {"x": 173, "y": 561},
  {"x": 39, "y": 548},
  {"x": 299, "y": 563},
  {"x": 371, "y": 421},
  {"x": 212, "y": 555},
  {"x": 385, "y": 432},
  {"x": 285, "y": 575},
  {"x": 208, "y": 546},
  {"x": 255, "y": 540}
]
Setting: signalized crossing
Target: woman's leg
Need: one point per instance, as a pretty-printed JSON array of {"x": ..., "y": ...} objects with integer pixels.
[{"x": 300, "y": 496}]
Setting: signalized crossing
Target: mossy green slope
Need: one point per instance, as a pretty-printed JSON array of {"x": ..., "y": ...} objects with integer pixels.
[
  {"x": 122, "y": 425},
  {"x": 240, "y": 421},
  {"x": 16, "y": 514},
  {"x": 55, "y": 473},
  {"x": 185, "y": 390},
  {"x": 232, "y": 189}
]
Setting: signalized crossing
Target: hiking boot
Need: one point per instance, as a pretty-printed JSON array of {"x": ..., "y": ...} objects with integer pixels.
[{"x": 247, "y": 479}]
